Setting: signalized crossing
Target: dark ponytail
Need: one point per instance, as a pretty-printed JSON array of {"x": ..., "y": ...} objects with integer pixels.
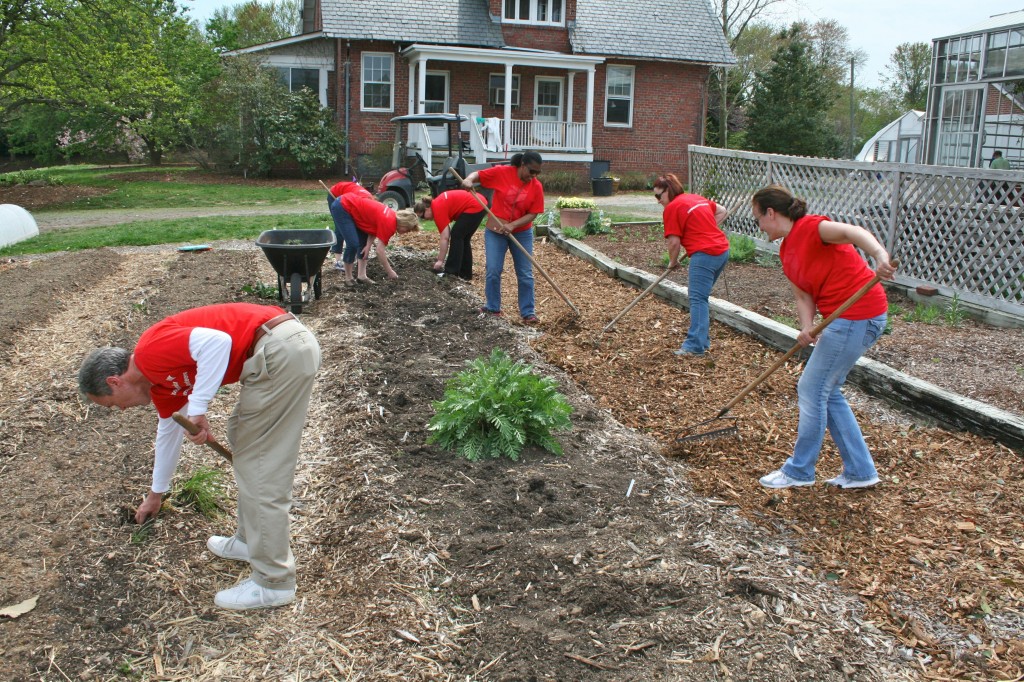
[
  {"x": 519, "y": 159},
  {"x": 780, "y": 200}
]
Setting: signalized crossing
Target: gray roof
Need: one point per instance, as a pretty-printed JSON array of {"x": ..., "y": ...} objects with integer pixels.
[
  {"x": 445, "y": 22},
  {"x": 994, "y": 22},
  {"x": 678, "y": 30}
]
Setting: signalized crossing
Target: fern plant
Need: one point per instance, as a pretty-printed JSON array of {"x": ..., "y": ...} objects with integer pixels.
[{"x": 497, "y": 407}]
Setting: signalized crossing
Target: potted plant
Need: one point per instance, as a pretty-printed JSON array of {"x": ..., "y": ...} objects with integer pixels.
[{"x": 574, "y": 211}]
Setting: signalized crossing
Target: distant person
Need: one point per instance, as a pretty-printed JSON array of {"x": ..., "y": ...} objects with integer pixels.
[
  {"x": 518, "y": 199},
  {"x": 458, "y": 215},
  {"x": 820, "y": 261},
  {"x": 362, "y": 220},
  {"x": 691, "y": 224},
  {"x": 998, "y": 161},
  {"x": 179, "y": 364},
  {"x": 338, "y": 189},
  {"x": 999, "y": 190}
]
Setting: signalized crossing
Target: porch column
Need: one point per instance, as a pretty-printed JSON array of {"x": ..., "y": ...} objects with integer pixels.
[
  {"x": 568, "y": 97},
  {"x": 590, "y": 111},
  {"x": 506, "y": 136},
  {"x": 412, "y": 90},
  {"x": 421, "y": 88}
]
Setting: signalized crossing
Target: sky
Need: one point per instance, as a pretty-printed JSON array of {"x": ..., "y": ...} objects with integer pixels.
[{"x": 875, "y": 26}]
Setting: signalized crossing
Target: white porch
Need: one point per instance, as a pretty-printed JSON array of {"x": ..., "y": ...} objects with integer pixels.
[{"x": 555, "y": 129}]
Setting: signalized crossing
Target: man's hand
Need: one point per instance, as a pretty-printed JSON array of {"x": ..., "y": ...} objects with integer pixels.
[
  {"x": 204, "y": 434},
  {"x": 149, "y": 508}
]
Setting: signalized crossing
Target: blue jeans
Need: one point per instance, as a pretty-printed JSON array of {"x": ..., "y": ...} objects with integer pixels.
[
  {"x": 495, "y": 246},
  {"x": 346, "y": 232},
  {"x": 339, "y": 243},
  {"x": 822, "y": 403},
  {"x": 703, "y": 273}
]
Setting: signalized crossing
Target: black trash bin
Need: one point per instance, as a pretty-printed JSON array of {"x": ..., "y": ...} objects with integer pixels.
[{"x": 603, "y": 187}]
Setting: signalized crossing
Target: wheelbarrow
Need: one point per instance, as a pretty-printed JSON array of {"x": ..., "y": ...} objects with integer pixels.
[{"x": 297, "y": 256}]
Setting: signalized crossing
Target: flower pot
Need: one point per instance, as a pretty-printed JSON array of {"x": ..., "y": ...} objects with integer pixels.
[
  {"x": 602, "y": 187},
  {"x": 573, "y": 217}
]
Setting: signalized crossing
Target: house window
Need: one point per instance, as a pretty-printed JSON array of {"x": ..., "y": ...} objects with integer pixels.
[
  {"x": 378, "y": 74},
  {"x": 618, "y": 110},
  {"x": 296, "y": 78},
  {"x": 549, "y": 12},
  {"x": 496, "y": 90}
]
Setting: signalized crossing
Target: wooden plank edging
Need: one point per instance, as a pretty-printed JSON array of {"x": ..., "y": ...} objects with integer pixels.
[{"x": 908, "y": 393}]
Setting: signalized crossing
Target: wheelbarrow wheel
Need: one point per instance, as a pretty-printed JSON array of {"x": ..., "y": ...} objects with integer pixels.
[
  {"x": 295, "y": 293},
  {"x": 318, "y": 287}
]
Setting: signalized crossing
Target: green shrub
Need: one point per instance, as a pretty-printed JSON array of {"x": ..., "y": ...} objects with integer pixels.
[
  {"x": 26, "y": 176},
  {"x": 742, "y": 248},
  {"x": 634, "y": 181},
  {"x": 497, "y": 407},
  {"x": 202, "y": 491},
  {"x": 596, "y": 223},
  {"x": 561, "y": 182},
  {"x": 574, "y": 232},
  {"x": 575, "y": 202},
  {"x": 768, "y": 260},
  {"x": 261, "y": 290}
]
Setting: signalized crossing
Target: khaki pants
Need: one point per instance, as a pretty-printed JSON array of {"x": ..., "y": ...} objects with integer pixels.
[{"x": 265, "y": 430}]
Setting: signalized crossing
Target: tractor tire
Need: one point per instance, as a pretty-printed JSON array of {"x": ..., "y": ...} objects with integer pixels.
[{"x": 393, "y": 200}]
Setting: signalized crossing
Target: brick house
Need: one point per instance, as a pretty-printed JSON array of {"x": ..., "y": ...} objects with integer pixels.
[{"x": 576, "y": 80}]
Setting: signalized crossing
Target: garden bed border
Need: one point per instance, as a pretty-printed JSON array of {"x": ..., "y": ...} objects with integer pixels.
[{"x": 918, "y": 397}]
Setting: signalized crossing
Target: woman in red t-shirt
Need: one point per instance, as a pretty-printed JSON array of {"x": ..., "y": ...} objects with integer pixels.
[
  {"x": 343, "y": 187},
  {"x": 457, "y": 214},
  {"x": 824, "y": 269},
  {"x": 691, "y": 224},
  {"x": 363, "y": 220},
  {"x": 518, "y": 198}
]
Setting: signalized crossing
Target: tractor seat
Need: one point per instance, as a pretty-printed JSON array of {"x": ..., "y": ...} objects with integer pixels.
[{"x": 449, "y": 163}]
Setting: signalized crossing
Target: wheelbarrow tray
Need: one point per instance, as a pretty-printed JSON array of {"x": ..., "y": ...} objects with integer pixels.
[{"x": 297, "y": 256}]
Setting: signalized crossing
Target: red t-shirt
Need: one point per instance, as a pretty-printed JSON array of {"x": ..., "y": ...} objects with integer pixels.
[
  {"x": 345, "y": 187},
  {"x": 830, "y": 273},
  {"x": 691, "y": 217},
  {"x": 163, "y": 357},
  {"x": 449, "y": 205},
  {"x": 513, "y": 198},
  {"x": 371, "y": 216}
]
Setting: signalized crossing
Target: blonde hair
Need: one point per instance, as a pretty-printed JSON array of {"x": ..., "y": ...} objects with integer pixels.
[{"x": 407, "y": 220}]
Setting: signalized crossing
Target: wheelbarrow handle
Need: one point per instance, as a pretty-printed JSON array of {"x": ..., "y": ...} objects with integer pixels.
[
  {"x": 193, "y": 429},
  {"x": 818, "y": 328},
  {"x": 529, "y": 256}
]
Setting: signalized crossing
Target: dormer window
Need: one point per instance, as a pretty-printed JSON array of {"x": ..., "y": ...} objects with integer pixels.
[{"x": 548, "y": 12}]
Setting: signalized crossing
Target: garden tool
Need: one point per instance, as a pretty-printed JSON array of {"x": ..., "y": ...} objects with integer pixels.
[
  {"x": 193, "y": 429},
  {"x": 692, "y": 432},
  {"x": 522, "y": 248}
]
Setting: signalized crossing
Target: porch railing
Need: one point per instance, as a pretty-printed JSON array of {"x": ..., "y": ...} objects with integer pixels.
[
  {"x": 548, "y": 135},
  {"x": 958, "y": 228}
]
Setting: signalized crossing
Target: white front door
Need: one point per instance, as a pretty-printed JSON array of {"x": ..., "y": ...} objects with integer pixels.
[
  {"x": 435, "y": 101},
  {"x": 547, "y": 112}
]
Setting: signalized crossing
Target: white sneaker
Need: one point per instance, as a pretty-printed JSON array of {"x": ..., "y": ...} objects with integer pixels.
[
  {"x": 248, "y": 595},
  {"x": 778, "y": 479},
  {"x": 228, "y": 548},
  {"x": 339, "y": 265},
  {"x": 841, "y": 481}
]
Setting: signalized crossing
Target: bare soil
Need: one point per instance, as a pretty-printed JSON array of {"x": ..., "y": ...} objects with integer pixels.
[{"x": 628, "y": 558}]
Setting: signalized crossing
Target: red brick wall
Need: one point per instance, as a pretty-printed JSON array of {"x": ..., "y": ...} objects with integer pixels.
[{"x": 555, "y": 38}]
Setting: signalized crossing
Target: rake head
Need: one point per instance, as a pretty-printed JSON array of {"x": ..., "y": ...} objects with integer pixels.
[{"x": 700, "y": 430}]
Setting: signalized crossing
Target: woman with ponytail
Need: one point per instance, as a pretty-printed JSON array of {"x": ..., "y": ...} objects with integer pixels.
[
  {"x": 457, "y": 215},
  {"x": 824, "y": 269}
]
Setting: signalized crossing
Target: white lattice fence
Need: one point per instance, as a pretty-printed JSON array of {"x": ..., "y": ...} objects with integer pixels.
[{"x": 960, "y": 229}]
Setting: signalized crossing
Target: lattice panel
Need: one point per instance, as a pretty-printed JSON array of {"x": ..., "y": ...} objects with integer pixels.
[{"x": 960, "y": 229}]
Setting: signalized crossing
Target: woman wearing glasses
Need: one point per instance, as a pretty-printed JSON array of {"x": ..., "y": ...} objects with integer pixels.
[
  {"x": 518, "y": 198},
  {"x": 691, "y": 223}
]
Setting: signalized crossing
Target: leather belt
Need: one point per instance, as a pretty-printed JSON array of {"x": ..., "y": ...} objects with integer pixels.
[{"x": 264, "y": 328}]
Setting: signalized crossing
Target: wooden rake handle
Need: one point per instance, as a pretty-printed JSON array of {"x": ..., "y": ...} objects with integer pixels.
[
  {"x": 193, "y": 429},
  {"x": 637, "y": 300},
  {"x": 792, "y": 351},
  {"x": 329, "y": 192},
  {"x": 533, "y": 262}
]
